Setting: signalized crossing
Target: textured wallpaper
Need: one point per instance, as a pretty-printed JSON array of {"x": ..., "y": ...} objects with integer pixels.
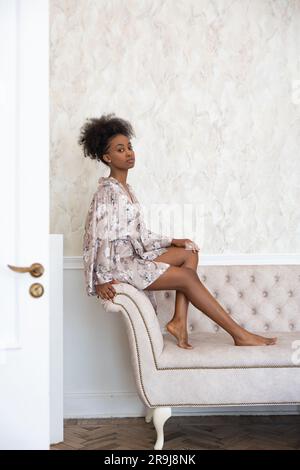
[{"x": 212, "y": 89}]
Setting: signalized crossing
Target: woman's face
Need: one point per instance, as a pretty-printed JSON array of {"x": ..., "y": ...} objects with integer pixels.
[{"x": 120, "y": 152}]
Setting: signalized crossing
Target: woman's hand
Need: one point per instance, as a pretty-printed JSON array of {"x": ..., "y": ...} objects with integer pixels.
[
  {"x": 106, "y": 291},
  {"x": 185, "y": 243}
]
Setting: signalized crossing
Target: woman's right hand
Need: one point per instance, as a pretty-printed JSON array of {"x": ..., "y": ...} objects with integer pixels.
[{"x": 106, "y": 291}]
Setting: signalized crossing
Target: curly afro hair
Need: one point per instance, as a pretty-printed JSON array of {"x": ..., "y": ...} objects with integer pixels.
[{"x": 96, "y": 133}]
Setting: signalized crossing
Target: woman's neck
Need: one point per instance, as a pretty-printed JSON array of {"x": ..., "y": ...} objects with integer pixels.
[{"x": 121, "y": 177}]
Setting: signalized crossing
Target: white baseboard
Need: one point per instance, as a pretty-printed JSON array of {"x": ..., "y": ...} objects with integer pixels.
[
  {"x": 127, "y": 404},
  {"x": 97, "y": 404}
]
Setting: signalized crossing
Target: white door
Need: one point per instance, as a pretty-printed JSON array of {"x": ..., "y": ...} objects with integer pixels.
[{"x": 24, "y": 234}]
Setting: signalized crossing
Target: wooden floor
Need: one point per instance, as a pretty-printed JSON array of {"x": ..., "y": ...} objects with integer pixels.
[{"x": 184, "y": 432}]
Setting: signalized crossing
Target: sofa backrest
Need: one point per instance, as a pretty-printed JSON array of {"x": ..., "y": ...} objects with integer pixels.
[{"x": 261, "y": 298}]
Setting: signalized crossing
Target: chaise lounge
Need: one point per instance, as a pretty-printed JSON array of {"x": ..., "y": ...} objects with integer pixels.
[{"x": 265, "y": 299}]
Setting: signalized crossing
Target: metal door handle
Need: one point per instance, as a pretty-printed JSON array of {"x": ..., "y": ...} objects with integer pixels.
[{"x": 36, "y": 269}]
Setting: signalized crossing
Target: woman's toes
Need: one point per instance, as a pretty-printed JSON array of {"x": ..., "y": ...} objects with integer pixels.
[
  {"x": 185, "y": 345},
  {"x": 272, "y": 340},
  {"x": 269, "y": 341}
]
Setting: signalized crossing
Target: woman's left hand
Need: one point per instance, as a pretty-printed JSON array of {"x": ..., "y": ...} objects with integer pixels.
[{"x": 185, "y": 243}]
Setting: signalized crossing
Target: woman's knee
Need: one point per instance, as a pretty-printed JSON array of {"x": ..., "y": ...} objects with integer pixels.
[
  {"x": 191, "y": 260},
  {"x": 195, "y": 257}
]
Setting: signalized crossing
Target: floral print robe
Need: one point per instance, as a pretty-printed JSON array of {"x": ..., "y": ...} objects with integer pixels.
[{"x": 116, "y": 242}]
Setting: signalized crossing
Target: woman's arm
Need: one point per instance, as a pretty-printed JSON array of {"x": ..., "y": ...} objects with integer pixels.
[
  {"x": 96, "y": 260},
  {"x": 152, "y": 240}
]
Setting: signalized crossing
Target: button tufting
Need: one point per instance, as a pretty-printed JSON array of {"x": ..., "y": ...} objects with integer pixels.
[
  {"x": 227, "y": 278},
  {"x": 278, "y": 309},
  {"x": 252, "y": 278},
  {"x": 266, "y": 326},
  {"x": 241, "y": 294},
  {"x": 254, "y": 311},
  {"x": 204, "y": 278},
  {"x": 216, "y": 294},
  {"x": 290, "y": 293},
  {"x": 216, "y": 327},
  {"x": 191, "y": 328},
  {"x": 265, "y": 293},
  {"x": 292, "y": 326},
  {"x": 276, "y": 278},
  {"x": 228, "y": 310},
  {"x": 167, "y": 294}
]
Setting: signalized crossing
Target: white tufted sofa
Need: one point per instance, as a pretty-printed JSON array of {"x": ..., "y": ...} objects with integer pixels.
[{"x": 265, "y": 299}]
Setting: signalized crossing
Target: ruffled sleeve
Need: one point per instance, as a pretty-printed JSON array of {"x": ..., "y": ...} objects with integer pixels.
[
  {"x": 152, "y": 240},
  {"x": 96, "y": 244}
]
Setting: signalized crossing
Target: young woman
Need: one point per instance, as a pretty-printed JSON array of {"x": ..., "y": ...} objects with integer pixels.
[{"x": 117, "y": 246}]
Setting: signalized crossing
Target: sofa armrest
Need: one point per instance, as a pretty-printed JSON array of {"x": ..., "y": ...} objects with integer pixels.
[
  {"x": 135, "y": 305},
  {"x": 143, "y": 332}
]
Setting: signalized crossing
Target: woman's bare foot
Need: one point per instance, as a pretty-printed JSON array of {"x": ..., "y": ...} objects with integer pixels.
[
  {"x": 178, "y": 330},
  {"x": 250, "y": 339}
]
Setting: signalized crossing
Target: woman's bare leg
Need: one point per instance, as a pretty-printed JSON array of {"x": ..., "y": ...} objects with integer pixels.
[
  {"x": 187, "y": 280},
  {"x": 177, "y": 326}
]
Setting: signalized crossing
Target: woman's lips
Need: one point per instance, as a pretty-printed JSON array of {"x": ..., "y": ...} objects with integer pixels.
[{"x": 131, "y": 160}]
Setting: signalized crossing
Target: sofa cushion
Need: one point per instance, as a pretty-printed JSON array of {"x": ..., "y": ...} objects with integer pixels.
[{"x": 218, "y": 351}]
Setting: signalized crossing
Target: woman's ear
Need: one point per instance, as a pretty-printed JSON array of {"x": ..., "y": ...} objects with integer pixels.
[{"x": 106, "y": 159}]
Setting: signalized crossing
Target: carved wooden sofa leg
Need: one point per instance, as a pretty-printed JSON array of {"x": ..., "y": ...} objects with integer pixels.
[
  {"x": 149, "y": 415},
  {"x": 160, "y": 416}
]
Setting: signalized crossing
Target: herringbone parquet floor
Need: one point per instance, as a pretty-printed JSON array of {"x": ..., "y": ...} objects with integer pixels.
[{"x": 184, "y": 432}]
